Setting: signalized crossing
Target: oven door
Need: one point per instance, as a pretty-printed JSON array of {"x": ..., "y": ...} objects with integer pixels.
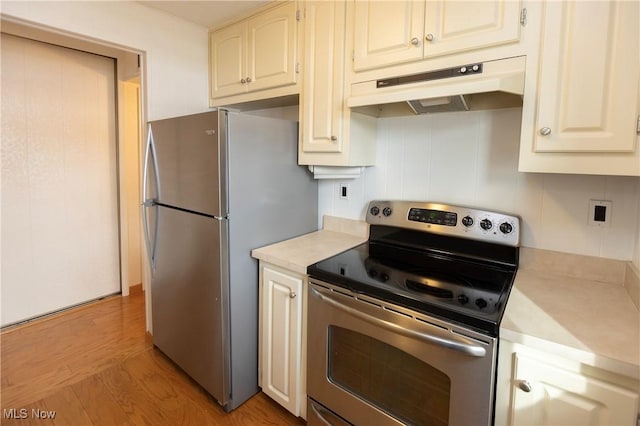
[{"x": 372, "y": 362}]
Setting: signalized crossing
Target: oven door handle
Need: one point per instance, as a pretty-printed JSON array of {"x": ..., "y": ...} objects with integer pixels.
[{"x": 435, "y": 336}]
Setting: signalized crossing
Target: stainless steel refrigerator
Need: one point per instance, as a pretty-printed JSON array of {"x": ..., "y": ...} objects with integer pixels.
[{"x": 217, "y": 185}]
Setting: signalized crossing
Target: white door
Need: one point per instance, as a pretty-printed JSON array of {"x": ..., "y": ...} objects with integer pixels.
[
  {"x": 59, "y": 183},
  {"x": 281, "y": 336}
]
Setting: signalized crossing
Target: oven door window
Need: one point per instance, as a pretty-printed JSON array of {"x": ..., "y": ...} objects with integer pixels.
[{"x": 388, "y": 378}]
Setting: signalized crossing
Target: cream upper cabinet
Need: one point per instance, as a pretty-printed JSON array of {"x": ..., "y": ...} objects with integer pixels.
[
  {"x": 393, "y": 32},
  {"x": 255, "y": 54},
  {"x": 330, "y": 134},
  {"x": 454, "y": 26},
  {"x": 588, "y": 82},
  {"x": 322, "y": 96},
  {"x": 584, "y": 95},
  {"x": 387, "y": 33},
  {"x": 228, "y": 61},
  {"x": 272, "y": 48},
  {"x": 542, "y": 389},
  {"x": 281, "y": 337}
]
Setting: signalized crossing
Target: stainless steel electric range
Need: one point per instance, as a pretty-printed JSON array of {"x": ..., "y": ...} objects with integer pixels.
[{"x": 403, "y": 328}]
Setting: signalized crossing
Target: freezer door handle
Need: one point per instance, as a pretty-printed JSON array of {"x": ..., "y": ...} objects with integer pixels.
[{"x": 151, "y": 159}]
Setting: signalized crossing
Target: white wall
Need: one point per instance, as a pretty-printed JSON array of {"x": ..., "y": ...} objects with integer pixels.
[
  {"x": 471, "y": 158},
  {"x": 176, "y": 50}
]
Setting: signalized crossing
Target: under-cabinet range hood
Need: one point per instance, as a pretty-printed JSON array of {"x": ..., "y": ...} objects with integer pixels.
[{"x": 472, "y": 86}]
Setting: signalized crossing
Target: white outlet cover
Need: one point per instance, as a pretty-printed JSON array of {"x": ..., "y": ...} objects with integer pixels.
[
  {"x": 592, "y": 209},
  {"x": 344, "y": 189}
]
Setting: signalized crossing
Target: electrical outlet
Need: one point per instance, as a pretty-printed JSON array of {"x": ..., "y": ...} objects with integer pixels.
[
  {"x": 344, "y": 191},
  {"x": 342, "y": 268},
  {"x": 600, "y": 213}
]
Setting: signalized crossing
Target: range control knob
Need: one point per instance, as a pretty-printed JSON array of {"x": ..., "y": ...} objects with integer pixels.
[
  {"x": 486, "y": 224},
  {"x": 387, "y": 211},
  {"x": 463, "y": 70},
  {"x": 481, "y": 303},
  {"x": 374, "y": 210},
  {"x": 467, "y": 221},
  {"x": 475, "y": 68},
  {"x": 506, "y": 228},
  {"x": 463, "y": 299}
]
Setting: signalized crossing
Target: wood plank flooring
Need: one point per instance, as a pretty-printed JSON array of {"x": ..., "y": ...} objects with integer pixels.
[{"x": 95, "y": 365}]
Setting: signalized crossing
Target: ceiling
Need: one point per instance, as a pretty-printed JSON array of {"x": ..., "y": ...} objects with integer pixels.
[{"x": 209, "y": 14}]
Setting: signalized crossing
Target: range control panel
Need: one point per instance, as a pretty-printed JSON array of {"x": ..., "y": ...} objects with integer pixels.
[{"x": 484, "y": 225}]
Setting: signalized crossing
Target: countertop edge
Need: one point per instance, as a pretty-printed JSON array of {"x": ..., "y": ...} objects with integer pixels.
[
  {"x": 297, "y": 253},
  {"x": 583, "y": 356}
]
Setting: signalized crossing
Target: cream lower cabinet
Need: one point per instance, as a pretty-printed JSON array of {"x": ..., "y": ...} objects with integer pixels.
[
  {"x": 254, "y": 55},
  {"x": 330, "y": 134},
  {"x": 535, "y": 388},
  {"x": 282, "y": 369},
  {"x": 393, "y": 32},
  {"x": 582, "y": 101}
]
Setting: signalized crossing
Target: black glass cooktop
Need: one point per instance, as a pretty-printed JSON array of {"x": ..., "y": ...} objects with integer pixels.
[{"x": 466, "y": 286}]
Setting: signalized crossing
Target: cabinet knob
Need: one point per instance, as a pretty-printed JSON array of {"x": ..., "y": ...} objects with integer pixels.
[
  {"x": 292, "y": 295},
  {"x": 415, "y": 41},
  {"x": 248, "y": 79},
  {"x": 429, "y": 37},
  {"x": 243, "y": 81},
  {"x": 524, "y": 385},
  {"x": 333, "y": 138},
  {"x": 545, "y": 131}
]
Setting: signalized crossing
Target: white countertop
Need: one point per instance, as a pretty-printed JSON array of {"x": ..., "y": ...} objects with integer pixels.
[
  {"x": 296, "y": 254},
  {"x": 576, "y": 306}
]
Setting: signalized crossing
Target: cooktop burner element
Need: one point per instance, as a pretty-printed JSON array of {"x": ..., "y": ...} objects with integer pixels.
[{"x": 452, "y": 262}]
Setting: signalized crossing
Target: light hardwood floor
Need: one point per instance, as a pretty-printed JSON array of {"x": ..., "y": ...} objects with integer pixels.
[{"x": 94, "y": 365}]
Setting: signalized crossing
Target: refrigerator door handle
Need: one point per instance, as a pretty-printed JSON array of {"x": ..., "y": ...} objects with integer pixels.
[
  {"x": 151, "y": 248},
  {"x": 150, "y": 154}
]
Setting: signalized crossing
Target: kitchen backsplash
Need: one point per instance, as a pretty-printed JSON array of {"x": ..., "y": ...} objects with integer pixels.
[{"x": 471, "y": 158}]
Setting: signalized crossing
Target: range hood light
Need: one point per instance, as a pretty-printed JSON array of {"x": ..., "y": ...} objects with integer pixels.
[
  {"x": 435, "y": 101},
  {"x": 441, "y": 104}
]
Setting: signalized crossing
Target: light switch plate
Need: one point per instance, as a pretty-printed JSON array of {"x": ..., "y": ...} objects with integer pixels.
[{"x": 599, "y": 213}]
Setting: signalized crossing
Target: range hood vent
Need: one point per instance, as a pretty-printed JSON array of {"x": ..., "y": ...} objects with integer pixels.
[{"x": 476, "y": 86}]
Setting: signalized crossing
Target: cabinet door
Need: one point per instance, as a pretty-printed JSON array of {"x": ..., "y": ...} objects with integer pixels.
[
  {"x": 560, "y": 397},
  {"x": 588, "y": 81},
  {"x": 272, "y": 48},
  {"x": 387, "y": 33},
  {"x": 457, "y": 26},
  {"x": 322, "y": 97},
  {"x": 228, "y": 57},
  {"x": 281, "y": 337}
]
